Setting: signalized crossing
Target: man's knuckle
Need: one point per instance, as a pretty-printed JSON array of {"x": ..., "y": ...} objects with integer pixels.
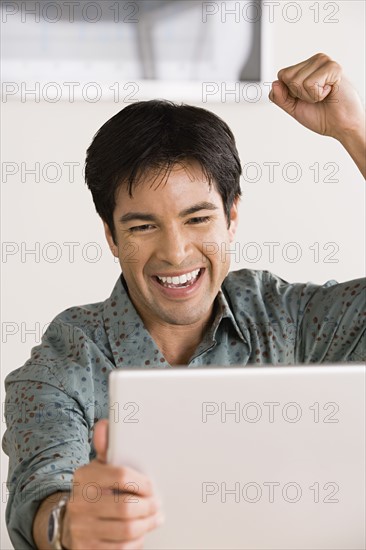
[
  {"x": 294, "y": 88},
  {"x": 311, "y": 88},
  {"x": 284, "y": 75},
  {"x": 322, "y": 56},
  {"x": 334, "y": 66}
]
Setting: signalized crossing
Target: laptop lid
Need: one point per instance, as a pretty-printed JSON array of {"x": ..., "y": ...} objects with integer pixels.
[{"x": 258, "y": 457}]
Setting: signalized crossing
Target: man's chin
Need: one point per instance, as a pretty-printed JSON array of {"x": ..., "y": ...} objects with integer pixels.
[{"x": 181, "y": 317}]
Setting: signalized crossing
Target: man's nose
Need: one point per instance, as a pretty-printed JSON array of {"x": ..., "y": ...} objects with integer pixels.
[{"x": 174, "y": 247}]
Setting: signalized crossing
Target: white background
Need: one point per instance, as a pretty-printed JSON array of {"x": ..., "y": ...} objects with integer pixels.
[{"x": 305, "y": 212}]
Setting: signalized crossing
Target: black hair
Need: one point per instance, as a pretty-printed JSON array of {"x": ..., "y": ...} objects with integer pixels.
[{"x": 156, "y": 135}]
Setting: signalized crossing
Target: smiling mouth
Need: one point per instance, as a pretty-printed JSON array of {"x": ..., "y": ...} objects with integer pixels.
[{"x": 181, "y": 281}]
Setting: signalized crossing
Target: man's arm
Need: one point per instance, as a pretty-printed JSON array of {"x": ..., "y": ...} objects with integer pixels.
[
  {"x": 355, "y": 145},
  {"x": 48, "y": 442},
  {"x": 111, "y": 518},
  {"x": 317, "y": 94}
]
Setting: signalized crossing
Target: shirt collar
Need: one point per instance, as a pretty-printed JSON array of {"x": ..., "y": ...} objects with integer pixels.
[
  {"x": 223, "y": 311},
  {"x": 131, "y": 343}
]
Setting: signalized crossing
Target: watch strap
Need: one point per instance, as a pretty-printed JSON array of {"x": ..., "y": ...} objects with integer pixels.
[{"x": 56, "y": 522}]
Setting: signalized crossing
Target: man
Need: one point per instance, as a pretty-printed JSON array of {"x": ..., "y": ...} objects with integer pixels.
[{"x": 165, "y": 180}]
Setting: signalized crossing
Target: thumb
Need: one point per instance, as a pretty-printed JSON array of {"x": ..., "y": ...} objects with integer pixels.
[
  {"x": 281, "y": 96},
  {"x": 100, "y": 439}
]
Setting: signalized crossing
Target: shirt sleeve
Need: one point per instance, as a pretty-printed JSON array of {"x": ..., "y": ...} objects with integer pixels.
[
  {"x": 46, "y": 440},
  {"x": 48, "y": 436},
  {"x": 332, "y": 325},
  {"x": 52, "y": 404},
  {"x": 330, "y": 319}
]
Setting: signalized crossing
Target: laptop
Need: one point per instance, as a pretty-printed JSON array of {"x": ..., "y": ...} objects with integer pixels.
[{"x": 258, "y": 457}]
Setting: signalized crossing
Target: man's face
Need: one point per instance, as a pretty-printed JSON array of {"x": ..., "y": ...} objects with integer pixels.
[{"x": 171, "y": 243}]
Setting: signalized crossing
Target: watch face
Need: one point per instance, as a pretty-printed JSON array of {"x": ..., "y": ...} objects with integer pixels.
[{"x": 51, "y": 527}]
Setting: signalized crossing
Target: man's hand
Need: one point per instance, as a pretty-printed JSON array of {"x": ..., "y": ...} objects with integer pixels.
[
  {"x": 97, "y": 515},
  {"x": 317, "y": 94}
]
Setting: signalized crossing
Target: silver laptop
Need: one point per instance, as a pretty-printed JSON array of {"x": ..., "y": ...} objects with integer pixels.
[{"x": 259, "y": 457}]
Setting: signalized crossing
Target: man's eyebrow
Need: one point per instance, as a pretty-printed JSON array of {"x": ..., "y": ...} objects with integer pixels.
[
  {"x": 197, "y": 207},
  {"x": 151, "y": 218},
  {"x": 136, "y": 216}
]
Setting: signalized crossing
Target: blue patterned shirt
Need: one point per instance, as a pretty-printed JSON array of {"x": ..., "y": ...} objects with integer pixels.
[{"x": 54, "y": 400}]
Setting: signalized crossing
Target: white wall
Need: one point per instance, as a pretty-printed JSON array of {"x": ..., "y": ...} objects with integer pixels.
[{"x": 305, "y": 212}]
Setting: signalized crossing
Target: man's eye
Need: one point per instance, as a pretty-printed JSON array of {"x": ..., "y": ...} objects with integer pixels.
[
  {"x": 141, "y": 228},
  {"x": 200, "y": 219}
]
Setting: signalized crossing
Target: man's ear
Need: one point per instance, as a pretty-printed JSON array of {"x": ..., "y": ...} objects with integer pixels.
[
  {"x": 112, "y": 245},
  {"x": 234, "y": 219}
]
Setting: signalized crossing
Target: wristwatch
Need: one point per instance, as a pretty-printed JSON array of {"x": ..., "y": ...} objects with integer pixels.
[{"x": 55, "y": 522}]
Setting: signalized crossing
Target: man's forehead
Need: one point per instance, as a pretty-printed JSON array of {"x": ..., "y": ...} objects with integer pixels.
[{"x": 169, "y": 178}]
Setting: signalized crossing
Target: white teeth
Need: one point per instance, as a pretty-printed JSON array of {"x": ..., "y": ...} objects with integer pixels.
[{"x": 181, "y": 280}]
